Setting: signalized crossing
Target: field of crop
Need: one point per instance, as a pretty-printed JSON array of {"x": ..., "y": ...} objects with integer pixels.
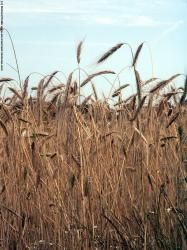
[{"x": 81, "y": 173}]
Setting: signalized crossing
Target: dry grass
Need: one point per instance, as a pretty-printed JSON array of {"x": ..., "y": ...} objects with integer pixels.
[{"x": 91, "y": 176}]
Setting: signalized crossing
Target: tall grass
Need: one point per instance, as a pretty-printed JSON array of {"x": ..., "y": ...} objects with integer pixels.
[{"x": 81, "y": 174}]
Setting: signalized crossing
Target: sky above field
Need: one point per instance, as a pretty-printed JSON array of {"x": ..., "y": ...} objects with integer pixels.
[{"x": 46, "y": 33}]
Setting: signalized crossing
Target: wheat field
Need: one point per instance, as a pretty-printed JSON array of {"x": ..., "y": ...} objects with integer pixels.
[{"x": 79, "y": 173}]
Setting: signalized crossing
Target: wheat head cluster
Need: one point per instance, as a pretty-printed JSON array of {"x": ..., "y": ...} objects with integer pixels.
[{"x": 84, "y": 172}]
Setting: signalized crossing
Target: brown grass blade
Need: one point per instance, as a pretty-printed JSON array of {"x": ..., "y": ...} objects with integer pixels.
[
  {"x": 119, "y": 89},
  {"x": 79, "y": 50},
  {"x": 25, "y": 86},
  {"x": 137, "y": 54},
  {"x": 116, "y": 93},
  {"x": 34, "y": 88},
  {"x": 75, "y": 87},
  {"x": 90, "y": 77},
  {"x": 23, "y": 120},
  {"x": 109, "y": 52},
  {"x": 86, "y": 100},
  {"x": 130, "y": 97},
  {"x": 60, "y": 86},
  {"x": 40, "y": 88},
  {"x": 183, "y": 97},
  {"x": 150, "y": 80},
  {"x": 67, "y": 88},
  {"x": 173, "y": 118},
  {"x": 53, "y": 101},
  {"x": 138, "y": 85},
  {"x": 15, "y": 92},
  {"x": 95, "y": 92},
  {"x": 163, "y": 83},
  {"x": 5, "y": 79},
  {"x": 120, "y": 103},
  {"x": 139, "y": 108},
  {"x": 1, "y": 88},
  {"x": 167, "y": 138},
  {"x": 3, "y": 127},
  {"x": 49, "y": 79}
]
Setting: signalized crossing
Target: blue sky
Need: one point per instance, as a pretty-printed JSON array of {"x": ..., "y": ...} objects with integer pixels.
[{"x": 46, "y": 34}]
